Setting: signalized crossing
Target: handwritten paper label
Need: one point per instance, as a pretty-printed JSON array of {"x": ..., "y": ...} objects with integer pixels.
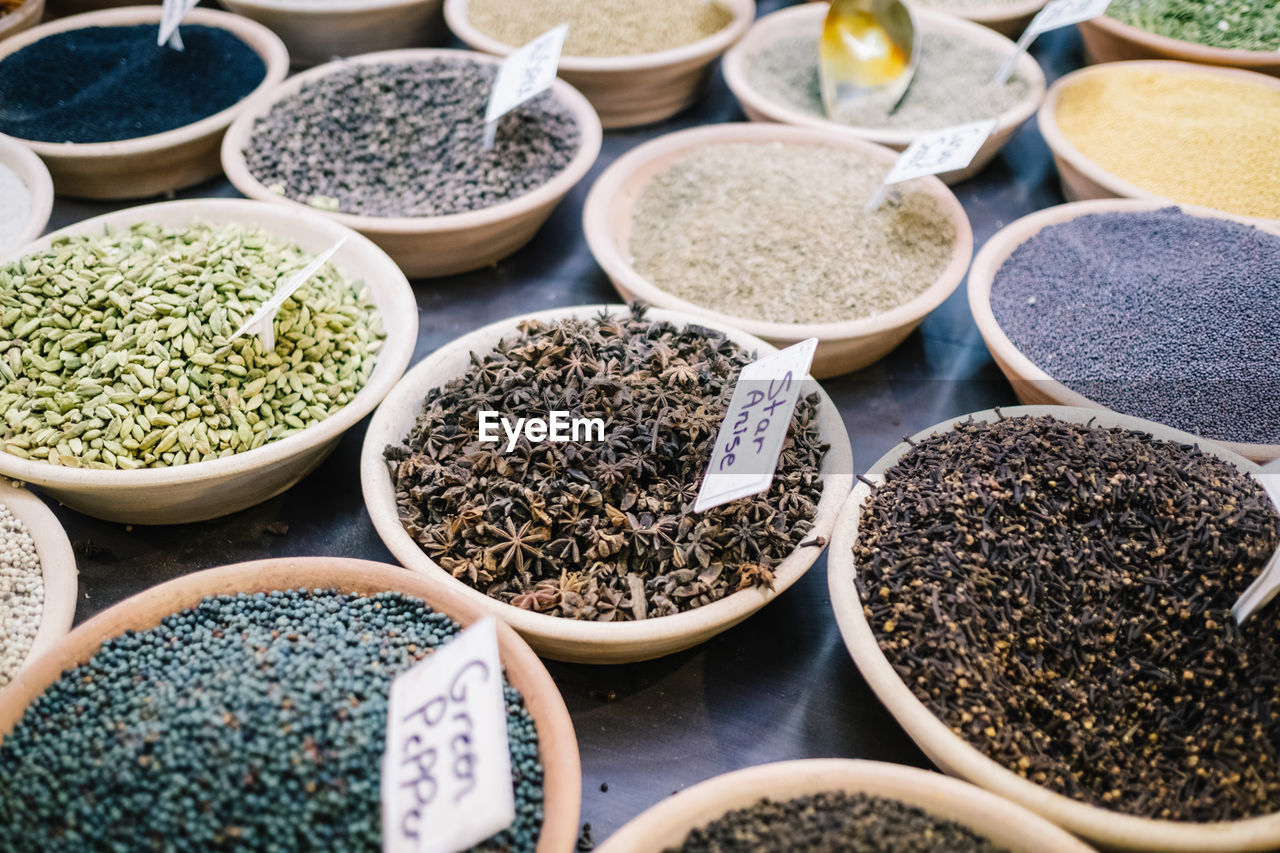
[
  {"x": 446, "y": 768},
  {"x": 1057, "y": 13},
  {"x": 262, "y": 323},
  {"x": 755, "y": 425},
  {"x": 1267, "y": 584},
  {"x": 934, "y": 153},
  {"x": 171, "y": 14},
  {"x": 529, "y": 71}
]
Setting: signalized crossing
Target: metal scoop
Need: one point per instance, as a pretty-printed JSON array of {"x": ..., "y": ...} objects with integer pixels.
[{"x": 868, "y": 49}]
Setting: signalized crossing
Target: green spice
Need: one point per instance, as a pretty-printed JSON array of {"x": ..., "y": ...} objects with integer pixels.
[
  {"x": 114, "y": 350},
  {"x": 1233, "y": 24},
  {"x": 781, "y": 233},
  {"x": 953, "y": 84}
]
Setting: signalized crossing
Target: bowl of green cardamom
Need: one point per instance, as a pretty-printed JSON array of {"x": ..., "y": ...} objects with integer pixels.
[{"x": 129, "y": 387}]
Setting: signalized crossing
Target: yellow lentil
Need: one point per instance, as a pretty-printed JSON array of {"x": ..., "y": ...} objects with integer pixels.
[{"x": 1196, "y": 138}]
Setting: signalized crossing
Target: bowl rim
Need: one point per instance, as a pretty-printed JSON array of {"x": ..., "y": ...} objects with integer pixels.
[
  {"x": 931, "y": 791},
  {"x": 596, "y": 639},
  {"x": 255, "y": 36},
  {"x": 307, "y": 8},
  {"x": 32, "y": 171},
  {"x": 240, "y": 133},
  {"x": 987, "y": 264},
  {"x": 1192, "y": 51},
  {"x": 702, "y": 50},
  {"x": 737, "y": 63},
  {"x": 1063, "y": 149},
  {"x": 57, "y": 568},
  {"x": 396, "y": 352},
  {"x": 606, "y": 196},
  {"x": 995, "y": 13},
  {"x": 947, "y": 749},
  {"x": 557, "y": 742}
]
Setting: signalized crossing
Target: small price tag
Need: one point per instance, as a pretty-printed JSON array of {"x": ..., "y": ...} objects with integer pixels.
[
  {"x": 446, "y": 769},
  {"x": 1267, "y": 584},
  {"x": 171, "y": 14},
  {"x": 933, "y": 153},
  {"x": 529, "y": 71},
  {"x": 263, "y": 321},
  {"x": 1056, "y": 13},
  {"x": 751, "y": 435}
]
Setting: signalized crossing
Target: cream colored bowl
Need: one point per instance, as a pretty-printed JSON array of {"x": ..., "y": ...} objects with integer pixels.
[
  {"x": 316, "y": 31},
  {"x": 24, "y": 17},
  {"x": 1008, "y": 19},
  {"x": 1083, "y": 179},
  {"x": 1030, "y": 382},
  {"x": 557, "y": 744},
  {"x": 1006, "y": 825},
  {"x": 570, "y": 639},
  {"x": 629, "y": 90},
  {"x": 57, "y": 567},
  {"x": 807, "y": 19},
  {"x": 161, "y": 162},
  {"x": 30, "y": 169},
  {"x": 209, "y": 489},
  {"x": 1108, "y": 40},
  {"x": 428, "y": 246},
  {"x": 954, "y": 755},
  {"x": 843, "y": 346}
]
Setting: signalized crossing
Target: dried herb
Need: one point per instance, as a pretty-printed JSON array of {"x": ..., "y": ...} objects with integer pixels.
[
  {"x": 1060, "y": 596},
  {"x": 600, "y": 530}
]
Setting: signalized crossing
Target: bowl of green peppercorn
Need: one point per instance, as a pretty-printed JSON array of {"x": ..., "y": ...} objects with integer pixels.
[{"x": 127, "y": 392}]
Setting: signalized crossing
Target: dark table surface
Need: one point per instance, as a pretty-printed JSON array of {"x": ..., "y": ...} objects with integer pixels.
[{"x": 781, "y": 685}]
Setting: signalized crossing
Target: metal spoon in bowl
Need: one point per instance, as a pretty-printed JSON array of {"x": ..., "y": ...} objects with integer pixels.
[{"x": 868, "y": 48}]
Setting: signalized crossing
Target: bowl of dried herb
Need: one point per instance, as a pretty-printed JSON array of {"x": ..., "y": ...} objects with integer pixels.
[
  {"x": 289, "y": 663},
  {"x": 1042, "y": 595},
  {"x": 720, "y": 222},
  {"x": 587, "y": 543},
  {"x": 837, "y": 804},
  {"x": 128, "y": 394}
]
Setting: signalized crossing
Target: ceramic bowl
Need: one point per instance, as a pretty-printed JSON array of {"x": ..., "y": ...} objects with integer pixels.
[
  {"x": 162, "y": 162},
  {"x": 1108, "y": 40},
  {"x": 1082, "y": 178},
  {"x": 557, "y": 744},
  {"x": 1006, "y": 825},
  {"x": 30, "y": 169},
  {"x": 428, "y": 246},
  {"x": 1008, "y": 19},
  {"x": 629, "y": 90},
  {"x": 57, "y": 566},
  {"x": 316, "y": 31},
  {"x": 807, "y": 19},
  {"x": 209, "y": 489},
  {"x": 1030, "y": 382},
  {"x": 23, "y": 18},
  {"x": 843, "y": 346},
  {"x": 569, "y": 639},
  {"x": 954, "y": 755}
]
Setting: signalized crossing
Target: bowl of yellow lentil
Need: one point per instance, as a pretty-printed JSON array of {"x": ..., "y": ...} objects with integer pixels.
[{"x": 1174, "y": 131}]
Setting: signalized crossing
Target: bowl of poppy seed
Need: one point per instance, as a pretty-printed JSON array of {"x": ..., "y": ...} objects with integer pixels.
[
  {"x": 838, "y": 805},
  {"x": 586, "y": 542},
  {"x": 637, "y": 63},
  {"x": 719, "y": 222},
  {"x": 115, "y": 115},
  {"x": 1115, "y": 303},
  {"x": 125, "y": 391},
  {"x": 246, "y": 707},
  {"x": 391, "y": 145},
  {"x": 38, "y": 582},
  {"x": 1235, "y": 33},
  {"x": 1042, "y": 595},
  {"x": 773, "y": 72},
  {"x": 1176, "y": 131}
]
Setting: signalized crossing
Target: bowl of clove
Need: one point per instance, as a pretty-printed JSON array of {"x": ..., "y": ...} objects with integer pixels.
[
  {"x": 547, "y": 467},
  {"x": 1042, "y": 597}
]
